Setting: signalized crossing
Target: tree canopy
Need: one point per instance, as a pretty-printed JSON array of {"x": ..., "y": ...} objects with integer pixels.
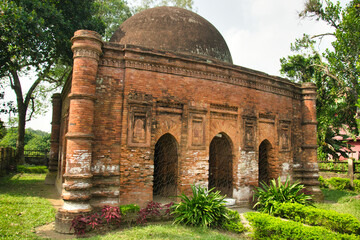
[
  {"x": 35, "y": 36},
  {"x": 335, "y": 71}
]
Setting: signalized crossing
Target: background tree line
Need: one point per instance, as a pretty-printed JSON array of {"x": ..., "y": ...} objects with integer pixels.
[{"x": 335, "y": 71}]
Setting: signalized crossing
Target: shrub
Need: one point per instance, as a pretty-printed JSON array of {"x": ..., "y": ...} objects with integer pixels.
[
  {"x": 31, "y": 169},
  {"x": 129, "y": 208},
  {"x": 268, "y": 195},
  {"x": 233, "y": 223},
  {"x": 152, "y": 209},
  {"x": 338, "y": 183},
  {"x": 323, "y": 182},
  {"x": 357, "y": 185},
  {"x": 269, "y": 227},
  {"x": 332, "y": 220},
  {"x": 205, "y": 208}
]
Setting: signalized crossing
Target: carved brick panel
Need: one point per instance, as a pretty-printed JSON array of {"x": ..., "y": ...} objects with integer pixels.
[
  {"x": 197, "y": 131},
  {"x": 249, "y": 133},
  {"x": 284, "y": 135},
  {"x": 139, "y": 126}
]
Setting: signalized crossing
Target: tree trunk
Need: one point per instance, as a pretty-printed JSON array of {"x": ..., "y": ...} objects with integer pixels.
[{"x": 20, "y": 143}]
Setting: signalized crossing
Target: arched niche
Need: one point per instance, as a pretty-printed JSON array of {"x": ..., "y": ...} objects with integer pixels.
[{"x": 221, "y": 164}]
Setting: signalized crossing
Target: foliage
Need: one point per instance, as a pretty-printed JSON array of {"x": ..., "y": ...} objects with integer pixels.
[
  {"x": 113, "y": 13},
  {"x": 269, "y": 227},
  {"x": 145, "y": 4},
  {"x": 22, "y": 207},
  {"x": 233, "y": 223},
  {"x": 323, "y": 183},
  {"x": 152, "y": 209},
  {"x": 111, "y": 214},
  {"x": 205, "y": 208},
  {"x": 334, "y": 72},
  {"x": 165, "y": 231},
  {"x": 267, "y": 196},
  {"x": 338, "y": 183},
  {"x": 356, "y": 183},
  {"x": 31, "y": 169},
  {"x": 34, "y": 139},
  {"x": 35, "y": 38},
  {"x": 332, "y": 220},
  {"x": 129, "y": 208}
]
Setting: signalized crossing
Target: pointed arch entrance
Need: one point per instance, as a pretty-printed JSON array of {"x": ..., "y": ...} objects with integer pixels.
[
  {"x": 165, "y": 166},
  {"x": 220, "y": 164},
  {"x": 264, "y": 159}
]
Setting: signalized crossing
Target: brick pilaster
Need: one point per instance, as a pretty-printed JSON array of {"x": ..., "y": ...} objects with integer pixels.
[
  {"x": 308, "y": 172},
  {"x": 55, "y": 134},
  {"x": 87, "y": 47}
]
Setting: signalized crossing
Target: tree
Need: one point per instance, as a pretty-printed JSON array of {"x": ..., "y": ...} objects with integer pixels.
[
  {"x": 145, "y": 4},
  {"x": 34, "y": 36},
  {"x": 334, "y": 72},
  {"x": 33, "y": 140},
  {"x": 113, "y": 13}
]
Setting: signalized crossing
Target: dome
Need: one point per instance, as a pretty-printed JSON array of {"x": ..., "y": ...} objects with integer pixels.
[{"x": 173, "y": 29}]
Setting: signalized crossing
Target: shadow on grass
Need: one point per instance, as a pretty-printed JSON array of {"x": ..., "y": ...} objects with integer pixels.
[
  {"x": 334, "y": 195},
  {"x": 27, "y": 185}
]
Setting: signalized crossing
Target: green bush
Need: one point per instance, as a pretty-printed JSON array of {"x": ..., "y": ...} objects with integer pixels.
[
  {"x": 332, "y": 220},
  {"x": 31, "y": 169},
  {"x": 233, "y": 223},
  {"x": 267, "y": 196},
  {"x": 205, "y": 208},
  {"x": 129, "y": 208},
  {"x": 357, "y": 185},
  {"x": 269, "y": 227},
  {"x": 323, "y": 182},
  {"x": 338, "y": 183}
]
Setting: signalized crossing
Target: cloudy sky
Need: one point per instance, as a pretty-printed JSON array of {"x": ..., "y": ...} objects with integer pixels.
[{"x": 258, "y": 33}]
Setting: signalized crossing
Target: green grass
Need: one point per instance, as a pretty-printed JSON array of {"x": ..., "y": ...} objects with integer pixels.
[
  {"x": 166, "y": 231},
  {"x": 343, "y": 202},
  {"x": 22, "y": 206}
]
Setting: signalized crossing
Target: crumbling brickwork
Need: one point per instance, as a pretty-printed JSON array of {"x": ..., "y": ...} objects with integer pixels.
[{"x": 228, "y": 127}]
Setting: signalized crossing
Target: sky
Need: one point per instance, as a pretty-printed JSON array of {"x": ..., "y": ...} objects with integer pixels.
[{"x": 258, "y": 34}]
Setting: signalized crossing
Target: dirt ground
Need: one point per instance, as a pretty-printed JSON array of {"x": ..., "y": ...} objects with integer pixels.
[{"x": 48, "y": 231}]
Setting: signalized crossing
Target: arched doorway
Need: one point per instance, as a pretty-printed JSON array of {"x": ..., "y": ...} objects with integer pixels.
[
  {"x": 264, "y": 158},
  {"x": 165, "y": 167},
  {"x": 220, "y": 164}
]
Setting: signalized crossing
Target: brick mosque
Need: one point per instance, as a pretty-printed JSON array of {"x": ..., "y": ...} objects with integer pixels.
[{"x": 161, "y": 106}]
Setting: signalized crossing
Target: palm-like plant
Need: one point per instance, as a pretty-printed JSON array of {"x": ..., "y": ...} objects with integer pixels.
[
  {"x": 267, "y": 196},
  {"x": 205, "y": 208}
]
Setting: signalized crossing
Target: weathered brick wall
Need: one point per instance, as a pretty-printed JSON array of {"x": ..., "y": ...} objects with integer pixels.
[{"x": 175, "y": 95}]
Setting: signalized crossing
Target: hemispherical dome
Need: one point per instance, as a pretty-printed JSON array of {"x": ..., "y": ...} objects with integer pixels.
[{"x": 173, "y": 29}]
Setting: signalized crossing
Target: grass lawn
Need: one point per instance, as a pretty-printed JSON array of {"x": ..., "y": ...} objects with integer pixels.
[
  {"x": 22, "y": 206},
  {"x": 166, "y": 231},
  {"x": 341, "y": 201}
]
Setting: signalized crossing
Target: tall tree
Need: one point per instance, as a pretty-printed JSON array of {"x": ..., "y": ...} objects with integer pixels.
[
  {"x": 34, "y": 36},
  {"x": 334, "y": 72}
]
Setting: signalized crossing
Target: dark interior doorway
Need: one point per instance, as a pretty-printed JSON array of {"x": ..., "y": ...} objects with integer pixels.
[
  {"x": 165, "y": 167},
  {"x": 220, "y": 165},
  {"x": 264, "y": 157}
]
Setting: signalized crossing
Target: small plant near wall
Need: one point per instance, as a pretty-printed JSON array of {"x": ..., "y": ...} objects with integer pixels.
[
  {"x": 112, "y": 217},
  {"x": 206, "y": 208},
  {"x": 267, "y": 196}
]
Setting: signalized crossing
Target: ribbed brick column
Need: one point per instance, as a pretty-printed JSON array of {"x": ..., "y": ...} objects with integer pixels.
[
  {"x": 55, "y": 133},
  {"x": 76, "y": 188},
  {"x": 308, "y": 172}
]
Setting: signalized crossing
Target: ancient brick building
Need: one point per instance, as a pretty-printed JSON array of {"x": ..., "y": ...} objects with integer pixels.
[{"x": 161, "y": 107}]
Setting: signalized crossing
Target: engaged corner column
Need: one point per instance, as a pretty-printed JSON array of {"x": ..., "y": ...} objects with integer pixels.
[
  {"x": 310, "y": 169},
  {"x": 87, "y": 48}
]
